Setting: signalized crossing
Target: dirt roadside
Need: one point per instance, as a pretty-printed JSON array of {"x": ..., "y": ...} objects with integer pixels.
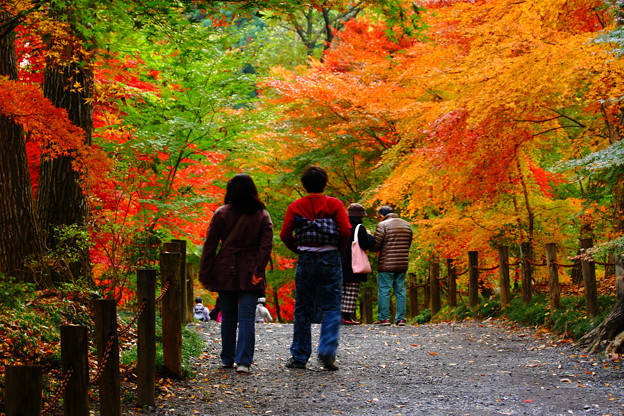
[{"x": 469, "y": 368}]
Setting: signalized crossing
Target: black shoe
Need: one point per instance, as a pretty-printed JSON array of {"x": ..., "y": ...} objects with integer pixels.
[
  {"x": 292, "y": 363},
  {"x": 329, "y": 363}
]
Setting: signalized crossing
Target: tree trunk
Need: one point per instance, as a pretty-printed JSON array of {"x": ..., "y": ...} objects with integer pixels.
[
  {"x": 61, "y": 200},
  {"x": 20, "y": 236}
]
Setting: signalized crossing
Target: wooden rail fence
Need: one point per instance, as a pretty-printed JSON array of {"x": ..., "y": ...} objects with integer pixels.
[
  {"x": 23, "y": 393},
  {"x": 436, "y": 284}
]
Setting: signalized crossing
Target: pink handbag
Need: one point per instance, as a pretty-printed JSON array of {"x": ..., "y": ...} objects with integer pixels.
[{"x": 359, "y": 258}]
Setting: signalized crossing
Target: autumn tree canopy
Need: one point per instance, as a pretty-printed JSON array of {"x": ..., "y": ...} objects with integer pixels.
[
  {"x": 472, "y": 122},
  {"x": 483, "y": 122}
]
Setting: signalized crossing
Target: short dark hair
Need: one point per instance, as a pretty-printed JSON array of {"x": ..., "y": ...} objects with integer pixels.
[
  {"x": 385, "y": 210},
  {"x": 314, "y": 179}
]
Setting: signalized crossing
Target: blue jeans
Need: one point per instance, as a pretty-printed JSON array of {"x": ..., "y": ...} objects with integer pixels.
[
  {"x": 323, "y": 272},
  {"x": 386, "y": 281},
  {"x": 238, "y": 309}
]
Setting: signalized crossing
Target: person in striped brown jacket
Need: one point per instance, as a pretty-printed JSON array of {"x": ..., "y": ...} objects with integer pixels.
[{"x": 393, "y": 238}]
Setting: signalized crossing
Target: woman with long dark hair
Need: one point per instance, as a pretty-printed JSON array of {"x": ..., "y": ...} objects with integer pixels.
[
  {"x": 350, "y": 280},
  {"x": 234, "y": 258}
]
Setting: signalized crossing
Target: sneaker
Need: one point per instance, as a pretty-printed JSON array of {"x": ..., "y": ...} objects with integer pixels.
[
  {"x": 329, "y": 363},
  {"x": 401, "y": 322},
  {"x": 292, "y": 363},
  {"x": 383, "y": 322},
  {"x": 230, "y": 365},
  {"x": 242, "y": 369},
  {"x": 348, "y": 322}
]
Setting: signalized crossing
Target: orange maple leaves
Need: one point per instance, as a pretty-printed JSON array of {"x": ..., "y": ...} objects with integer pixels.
[
  {"x": 473, "y": 118},
  {"x": 41, "y": 120}
]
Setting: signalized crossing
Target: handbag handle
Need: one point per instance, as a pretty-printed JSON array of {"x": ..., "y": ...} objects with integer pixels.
[{"x": 357, "y": 227}]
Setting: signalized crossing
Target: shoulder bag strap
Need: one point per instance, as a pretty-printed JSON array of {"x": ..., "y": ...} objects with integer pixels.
[{"x": 232, "y": 232}]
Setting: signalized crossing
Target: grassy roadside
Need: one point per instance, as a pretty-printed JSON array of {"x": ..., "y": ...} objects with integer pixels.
[
  {"x": 570, "y": 321},
  {"x": 30, "y": 322}
]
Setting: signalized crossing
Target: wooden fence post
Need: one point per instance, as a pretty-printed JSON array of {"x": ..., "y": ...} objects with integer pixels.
[
  {"x": 413, "y": 298},
  {"x": 190, "y": 296},
  {"x": 23, "y": 386},
  {"x": 619, "y": 276},
  {"x": 503, "y": 273},
  {"x": 108, "y": 356},
  {"x": 75, "y": 358},
  {"x": 589, "y": 280},
  {"x": 452, "y": 283},
  {"x": 473, "y": 278},
  {"x": 146, "y": 342},
  {"x": 366, "y": 306},
  {"x": 554, "y": 290},
  {"x": 434, "y": 287},
  {"x": 183, "y": 286},
  {"x": 278, "y": 311},
  {"x": 527, "y": 272},
  {"x": 171, "y": 313},
  {"x": 609, "y": 269}
]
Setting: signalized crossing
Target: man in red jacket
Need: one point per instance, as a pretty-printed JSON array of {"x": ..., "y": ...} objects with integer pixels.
[{"x": 316, "y": 227}]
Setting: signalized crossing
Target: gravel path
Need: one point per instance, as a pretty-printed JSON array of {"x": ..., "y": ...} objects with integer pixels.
[{"x": 469, "y": 368}]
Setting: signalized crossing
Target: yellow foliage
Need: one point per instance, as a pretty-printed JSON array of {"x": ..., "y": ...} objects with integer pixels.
[{"x": 470, "y": 120}]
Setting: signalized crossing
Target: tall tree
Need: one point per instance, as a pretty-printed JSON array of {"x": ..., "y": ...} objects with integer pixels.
[
  {"x": 61, "y": 200},
  {"x": 498, "y": 94},
  {"x": 21, "y": 236},
  {"x": 73, "y": 31}
]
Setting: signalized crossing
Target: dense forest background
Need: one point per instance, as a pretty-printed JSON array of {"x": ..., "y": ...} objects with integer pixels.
[{"x": 484, "y": 123}]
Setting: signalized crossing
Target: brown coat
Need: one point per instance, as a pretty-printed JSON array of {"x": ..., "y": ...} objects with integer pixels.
[
  {"x": 246, "y": 253},
  {"x": 393, "y": 238}
]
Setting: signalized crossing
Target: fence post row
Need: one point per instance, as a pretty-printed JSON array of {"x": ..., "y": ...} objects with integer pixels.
[
  {"x": 24, "y": 383},
  {"x": 23, "y": 391}
]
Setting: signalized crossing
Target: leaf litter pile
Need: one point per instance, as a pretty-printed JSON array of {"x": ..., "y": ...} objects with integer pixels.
[{"x": 468, "y": 368}]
